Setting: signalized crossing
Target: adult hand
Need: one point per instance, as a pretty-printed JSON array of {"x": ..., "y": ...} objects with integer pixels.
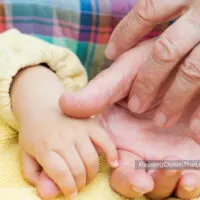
[
  {"x": 179, "y": 42},
  {"x": 110, "y": 86}
]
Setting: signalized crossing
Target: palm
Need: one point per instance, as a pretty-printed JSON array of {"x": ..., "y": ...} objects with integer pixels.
[{"x": 139, "y": 135}]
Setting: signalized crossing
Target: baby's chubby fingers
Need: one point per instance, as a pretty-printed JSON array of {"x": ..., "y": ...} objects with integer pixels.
[
  {"x": 46, "y": 187},
  {"x": 75, "y": 164},
  {"x": 89, "y": 157},
  {"x": 32, "y": 171},
  {"x": 57, "y": 169},
  {"x": 106, "y": 144},
  {"x": 30, "y": 168}
]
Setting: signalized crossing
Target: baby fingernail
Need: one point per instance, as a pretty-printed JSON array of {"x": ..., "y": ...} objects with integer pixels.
[
  {"x": 135, "y": 104},
  {"x": 160, "y": 119},
  {"x": 195, "y": 126},
  {"x": 115, "y": 164},
  {"x": 110, "y": 51},
  {"x": 73, "y": 196},
  {"x": 138, "y": 191},
  {"x": 93, "y": 116}
]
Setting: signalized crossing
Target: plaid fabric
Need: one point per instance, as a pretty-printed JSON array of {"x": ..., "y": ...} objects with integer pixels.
[{"x": 84, "y": 26}]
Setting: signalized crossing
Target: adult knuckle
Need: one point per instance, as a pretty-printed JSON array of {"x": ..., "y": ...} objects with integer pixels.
[
  {"x": 190, "y": 70},
  {"x": 123, "y": 28},
  {"x": 144, "y": 12},
  {"x": 165, "y": 50},
  {"x": 141, "y": 14}
]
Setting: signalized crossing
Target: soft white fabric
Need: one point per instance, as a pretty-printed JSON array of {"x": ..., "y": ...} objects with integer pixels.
[{"x": 18, "y": 51}]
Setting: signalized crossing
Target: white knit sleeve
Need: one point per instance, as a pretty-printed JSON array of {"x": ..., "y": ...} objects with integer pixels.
[{"x": 18, "y": 51}]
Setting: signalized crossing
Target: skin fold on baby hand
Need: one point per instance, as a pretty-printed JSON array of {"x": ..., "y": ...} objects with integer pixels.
[{"x": 64, "y": 147}]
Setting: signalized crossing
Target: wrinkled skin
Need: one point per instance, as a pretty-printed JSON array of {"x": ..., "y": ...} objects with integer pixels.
[{"x": 132, "y": 132}]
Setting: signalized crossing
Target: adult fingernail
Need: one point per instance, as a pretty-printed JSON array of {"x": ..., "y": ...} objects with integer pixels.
[
  {"x": 164, "y": 51},
  {"x": 160, "y": 119},
  {"x": 134, "y": 103},
  {"x": 138, "y": 190},
  {"x": 110, "y": 51},
  {"x": 189, "y": 189},
  {"x": 195, "y": 126}
]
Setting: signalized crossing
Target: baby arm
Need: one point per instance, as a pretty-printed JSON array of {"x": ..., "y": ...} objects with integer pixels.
[{"x": 63, "y": 146}]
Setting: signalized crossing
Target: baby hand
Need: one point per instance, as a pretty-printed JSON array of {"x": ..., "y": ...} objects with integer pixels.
[{"x": 63, "y": 146}]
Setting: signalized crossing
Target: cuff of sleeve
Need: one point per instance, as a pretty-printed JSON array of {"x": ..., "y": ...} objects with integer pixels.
[{"x": 19, "y": 51}]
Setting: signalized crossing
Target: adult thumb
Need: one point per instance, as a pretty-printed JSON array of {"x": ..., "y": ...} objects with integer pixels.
[{"x": 110, "y": 86}]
